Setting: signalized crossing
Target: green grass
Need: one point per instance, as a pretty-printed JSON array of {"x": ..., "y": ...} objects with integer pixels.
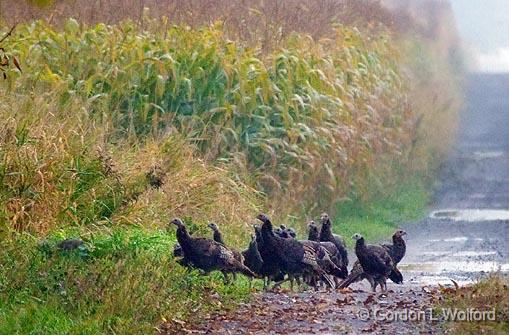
[
  {"x": 378, "y": 219},
  {"x": 123, "y": 282}
]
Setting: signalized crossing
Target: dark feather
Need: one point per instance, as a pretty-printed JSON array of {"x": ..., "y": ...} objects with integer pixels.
[
  {"x": 375, "y": 261},
  {"x": 326, "y": 235},
  {"x": 208, "y": 255}
]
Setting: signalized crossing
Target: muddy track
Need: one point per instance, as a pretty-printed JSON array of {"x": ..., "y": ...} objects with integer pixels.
[
  {"x": 465, "y": 238},
  {"x": 467, "y": 235}
]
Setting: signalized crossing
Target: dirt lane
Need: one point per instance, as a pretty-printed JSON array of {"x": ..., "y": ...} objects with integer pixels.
[
  {"x": 453, "y": 244},
  {"x": 469, "y": 234}
]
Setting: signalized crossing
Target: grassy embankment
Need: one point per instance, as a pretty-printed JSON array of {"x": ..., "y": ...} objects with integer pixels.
[
  {"x": 492, "y": 293},
  {"x": 101, "y": 113}
]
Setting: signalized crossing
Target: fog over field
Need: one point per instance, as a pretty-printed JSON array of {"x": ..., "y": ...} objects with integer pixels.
[{"x": 484, "y": 26}]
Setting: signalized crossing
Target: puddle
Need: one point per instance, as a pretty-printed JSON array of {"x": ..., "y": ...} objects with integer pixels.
[
  {"x": 478, "y": 196},
  {"x": 462, "y": 266},
  {"x": 487, "y": 154},
  {"x": 458, "y": 254},
  {"x": 446, "y": 281},
  {"x": 473, "y": 253},
  {"x": 471, "y": 215},
  {"x": 456, "y": 239}
]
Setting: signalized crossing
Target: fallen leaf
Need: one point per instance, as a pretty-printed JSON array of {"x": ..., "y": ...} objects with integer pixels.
[{"x": 369, "y": 299}]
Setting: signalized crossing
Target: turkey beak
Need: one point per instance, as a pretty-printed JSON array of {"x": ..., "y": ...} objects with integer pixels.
[
  {"x": 176, "y": 222},
  {"x": 261, "y": 217},
  {"x": 403, "y": 233}
]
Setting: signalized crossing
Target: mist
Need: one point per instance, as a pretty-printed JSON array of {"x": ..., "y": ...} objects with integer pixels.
[{"x": 484, "y": 28}]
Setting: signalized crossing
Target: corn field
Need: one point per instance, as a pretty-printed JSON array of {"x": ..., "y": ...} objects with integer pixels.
[{"x": 302, "y": 120}]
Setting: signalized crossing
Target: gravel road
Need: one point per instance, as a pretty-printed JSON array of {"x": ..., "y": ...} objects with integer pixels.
[{"x": 467, "y": 232}]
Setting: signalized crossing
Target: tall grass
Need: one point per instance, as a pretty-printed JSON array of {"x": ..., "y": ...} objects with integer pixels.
[
  {"x": 302, "y": 118},
  {"x": 57, "y": 170}
]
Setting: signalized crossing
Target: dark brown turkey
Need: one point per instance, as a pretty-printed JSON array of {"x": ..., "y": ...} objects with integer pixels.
[
  {"x": 375, "y": 261},
  {"x": 313, "y": 232},
  {"x": 294, "y": 258},
  {"x": 208, "y": 255},
  {"x": 396, "y": 250},
  {"x": 326, "y": 235},
  {"x": 252, "y": 257},
  {"x": 270, "y": 270}
]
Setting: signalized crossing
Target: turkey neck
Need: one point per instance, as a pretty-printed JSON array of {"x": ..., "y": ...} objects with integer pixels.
[
  {"x": 398, "y": 241},
  {"x": 183, "y": 237},
  {"x": 218, "y": 237},
  {"x": 399, "y": 248},
  {"x": 360, "y": 247},
  {"x": 313, "y": 234},
  {"x": 267, "y": 233},
  {"x": 326, "y": 232}
]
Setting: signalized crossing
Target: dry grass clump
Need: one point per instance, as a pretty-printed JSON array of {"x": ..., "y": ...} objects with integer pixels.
[
  {"x": 49, "y": 172},
  {"x": 190, "y": 188},
  {"x": 57, "y": 170},
  {"x": 491, "y": 293},
  {"x": 258, "y": 21}
]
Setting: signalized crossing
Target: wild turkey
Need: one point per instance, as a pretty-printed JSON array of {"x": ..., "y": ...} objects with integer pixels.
[
  {"x": 313, "y": 232},
  {"x": 295, "y": 258},
  {"x": 70, "y": 244},
  {"x": 278, "y": 232},
  {"x": 375, "y": 261},
  {"x": 396, "y": 250},
  {"x": 270, "y": 270},
  {"x": 286, "y": 232},
  {"x": 339, "y": 270},
  {"x": 178, "y": 253},
  {"x": 290, "y": 231},
  {"x": 218, "y": 237},
  {"x": 326, "y": 263},
  {"x": 208, "y": 255},
  {"x": 252, "y": 258},
  {"x": 326, "y": 235}
]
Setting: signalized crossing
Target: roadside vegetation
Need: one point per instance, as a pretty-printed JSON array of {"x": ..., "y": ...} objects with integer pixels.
[
  {"x": 116, "y": 124},
  {"x": 492, "y": 293}
]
